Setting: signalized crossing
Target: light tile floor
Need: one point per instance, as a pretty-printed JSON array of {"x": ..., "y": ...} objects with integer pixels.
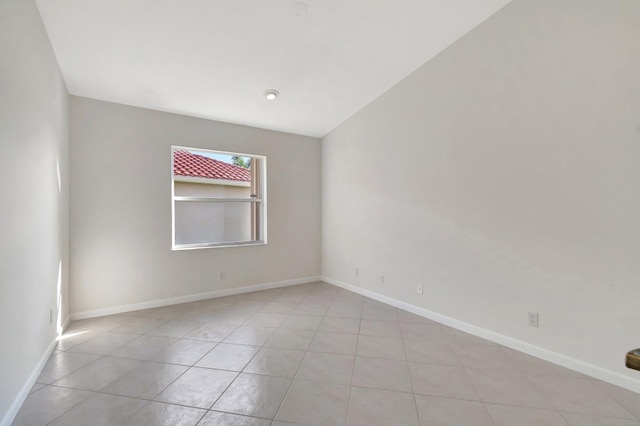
[{"x": 309, "y": 354}]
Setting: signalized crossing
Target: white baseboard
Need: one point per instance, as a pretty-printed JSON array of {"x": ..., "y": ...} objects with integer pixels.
[
  {"x": 519, "y": 345},
  {"x": 11, "y": 414},
  {"x": 189, "y": 298}
]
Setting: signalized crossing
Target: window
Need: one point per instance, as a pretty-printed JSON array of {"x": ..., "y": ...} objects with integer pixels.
[{"x": 218, "y": 198}]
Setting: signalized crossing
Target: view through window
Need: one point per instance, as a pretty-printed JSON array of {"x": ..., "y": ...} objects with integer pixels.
[{"x": 219, "y": 198}]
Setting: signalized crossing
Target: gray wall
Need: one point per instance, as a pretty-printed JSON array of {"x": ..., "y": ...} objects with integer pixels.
[
  {"x": 121, "y": 207},
  {"x": 504, "y": 176},
  {"x": 34, "y": 213}
]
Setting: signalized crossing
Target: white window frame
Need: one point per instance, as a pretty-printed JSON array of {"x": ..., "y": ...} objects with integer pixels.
[{"x": 261, "y": 218}]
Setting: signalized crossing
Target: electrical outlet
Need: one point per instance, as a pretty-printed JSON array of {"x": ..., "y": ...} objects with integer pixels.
[
  {"x": 356, "y": 272},
  {"x": 50, "y": 316},
  {"x": 533, "y": 319},
  {"x": 419, "y": 289},
  {"x": 381, "y": 279},
  {"x": 222, "y": 276}
]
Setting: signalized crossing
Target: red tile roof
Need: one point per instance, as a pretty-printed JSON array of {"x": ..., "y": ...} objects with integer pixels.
[{"x": 186, "y": 163}]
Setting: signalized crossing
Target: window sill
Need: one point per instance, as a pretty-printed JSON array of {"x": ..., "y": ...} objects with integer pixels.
[{"x": 180, "y": 247}]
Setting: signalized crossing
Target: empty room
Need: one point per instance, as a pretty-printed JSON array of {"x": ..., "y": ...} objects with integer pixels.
[{"x": 320, "y": 212}]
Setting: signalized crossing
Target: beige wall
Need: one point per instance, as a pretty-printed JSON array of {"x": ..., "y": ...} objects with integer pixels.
[
  {"x": 34, "y": 213},
  {"x": 121, "y": 207},
  {"x": 503, "y": 175},
  {"x": 198, "y": 222}
]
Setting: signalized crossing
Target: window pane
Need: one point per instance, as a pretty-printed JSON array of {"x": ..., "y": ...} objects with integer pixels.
[
  {"x": 201, "y": 174},
  {"x": 212, "y": 222},
  {"x": 209, "y": 191}
]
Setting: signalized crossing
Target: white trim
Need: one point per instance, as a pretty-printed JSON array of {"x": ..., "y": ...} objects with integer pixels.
[
  {"x": 189, "y": 298},
  {"x": 15, "y": 406},
  {"x": 198, "y": 246},
  {"x": 519, "y": 345},
  {"x": 216, "y": 199},
  {"x": 208, "y": 181}
]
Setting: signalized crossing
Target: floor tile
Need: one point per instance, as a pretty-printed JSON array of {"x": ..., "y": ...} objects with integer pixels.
[
  {"x": 302, "y": 322},
  {"x": 436, "y": 411},
  {"x": 626, "y": 398},
  {"x": 340, "y": 325},
  {"x": 431, "y": 352},
  {"x": 234, "y": 316},
  {"x": 379, "y": 311},
  {"x": 266, "y": 319},
  {"x": 311, "y": 309},
  {"x": 253, "y": 395},
  {"x": 145, "y": 381},
  {"x": 380, "y": 328},
  {"x": 382, "y": 374},
  {"x": 381, "y": 347},
  {"x": 105, "y": 323},
  {"x": 101, "y": 410},
  {"x": 198, "y": 387},
  {"x": 326, "y": 367},
  {"x": 293, "y": 298},
  {"x": 161, "y": 414},
  {"x": 382, "y": 408},
  {"x": 275, "y": 362},
  {"x": 261, "y": 296},
  {"x": 144, "y": 347},
  {"x": 345, "y": 311},
  {"x": 531, "y": 365},
  {"x": 213, "y": 331},
  {"x": 505, "y": 415},
  {"x": 250, "y": 335},
  {"x": 299, "y": 353},
  {"x": 175, "y": 328},
  {"x": 71, "y": 339},
  {"x": 506, "y": 387},
  {"x": 168, "y": 313},
  {"x": 98, "y": 374},
  {"x": 215, "y": 418},
  {"x": 477, "y": 356},
  {"x": 184, "y": 352},
  {"x": 48, "y": 403},
  {"x": 104, "y": 343},
  {"x": 202, "y": 313},
  {"x": 579, "y": 396},
  {"x": 291, "y": 339},
  {"x": 420, "y": 331},
  {"x": 441, "y": 380},
  {"x": 63, "y": 363},
  {"x": 578, "y": 419},
  {"x": 315, "y": 403},
  {"x": 36, "y": 387},
  {"x": 140, "y": 325},
  {"x": 338, "y": 343},
  {"x": 227, "y": 356},
  {"x": 276, "y": 307}
]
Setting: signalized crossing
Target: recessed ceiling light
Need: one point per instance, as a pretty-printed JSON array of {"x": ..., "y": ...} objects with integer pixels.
[
  {"x": 300, "y": 8},
  {"x": 271, "y": 94}
]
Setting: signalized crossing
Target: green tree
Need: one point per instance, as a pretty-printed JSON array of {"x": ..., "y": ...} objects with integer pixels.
[{"x": 241, "y": 161}]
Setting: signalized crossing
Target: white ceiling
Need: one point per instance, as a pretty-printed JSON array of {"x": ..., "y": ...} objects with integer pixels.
[{"x": 215, "y": 58}]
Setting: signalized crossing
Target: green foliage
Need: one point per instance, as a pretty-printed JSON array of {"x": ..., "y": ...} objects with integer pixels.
[{"x": 241, "y": 161}]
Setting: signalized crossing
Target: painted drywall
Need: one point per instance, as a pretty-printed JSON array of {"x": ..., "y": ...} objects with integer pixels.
[
  {"x": 120, "y": 239},
  {"x": 34, "y": 213},
  {"x": 504, "y": 176}
]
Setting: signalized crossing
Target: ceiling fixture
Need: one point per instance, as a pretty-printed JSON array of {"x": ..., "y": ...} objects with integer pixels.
[
  {"x": 271, "y": 94},
  {"x": 300, "y": 8}
]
